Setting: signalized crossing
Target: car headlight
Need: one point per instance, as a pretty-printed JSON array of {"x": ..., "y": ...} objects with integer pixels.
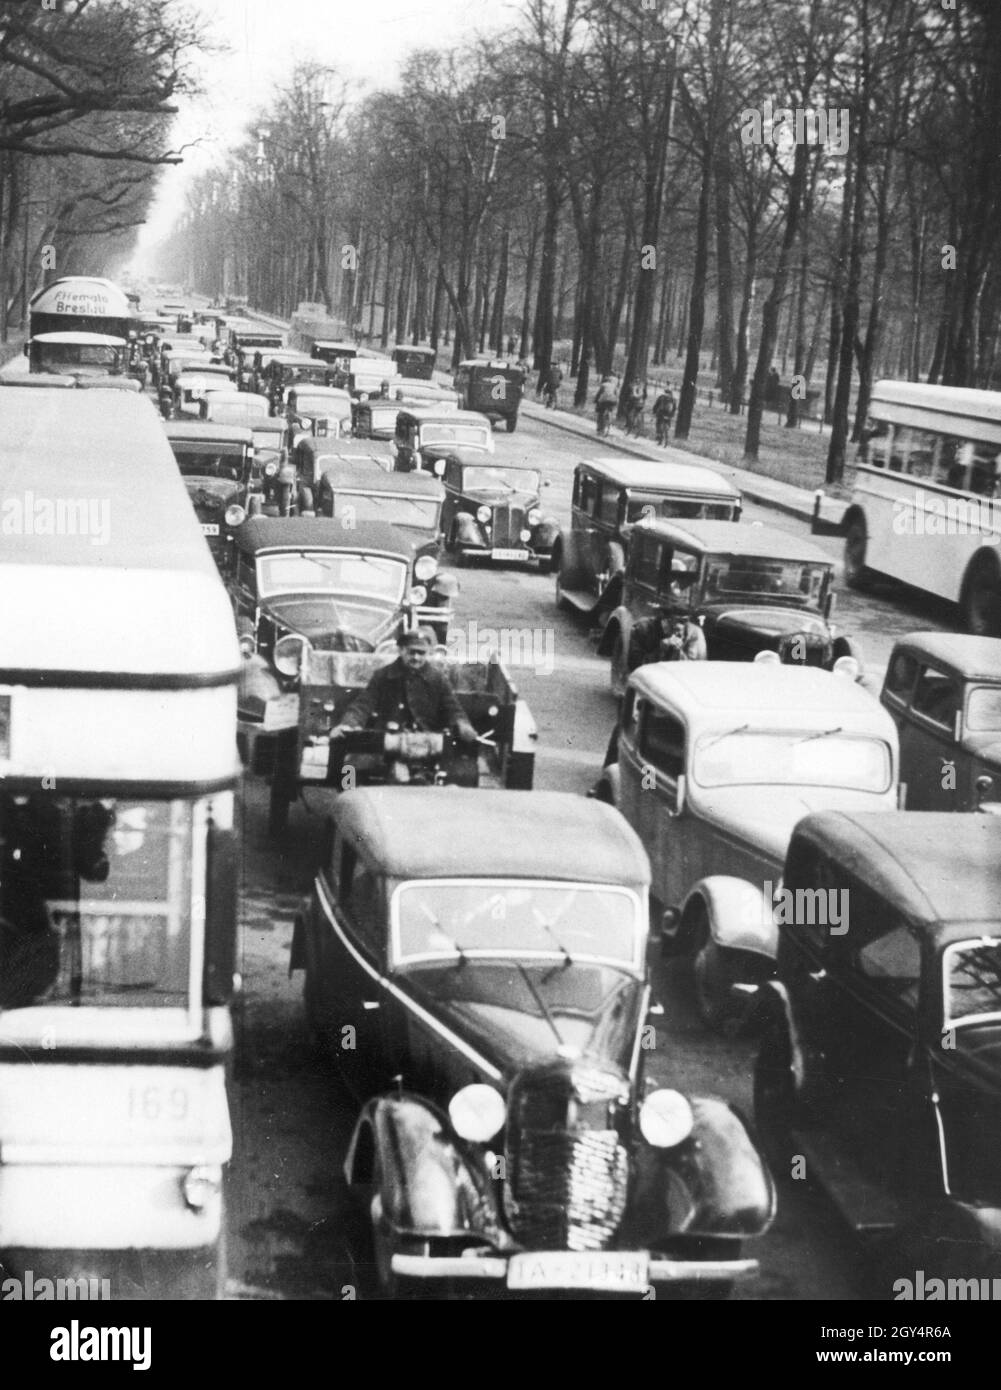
[
  {"x": 201, "y": 1185},
  {"x": 666, "y": 1119},
  {"x": 768, "y": 658},
  {"x": 477, "y": 1113},
  {"x": 847, "y": 666},
  {"x": 418, "y": 594},
  {"x": 483, "y": 514},
  {"x": 235, "y": 515},
  {"x": 306, "y": 421},
  {"x": 270, "y": 469},
  {"x": 425, "y": 567},
  {"x": 287, "y": 655},
  {"x": 534, "y": 517},
  {"x": 247, "y": 644},
  {"x": 524, "y": 536}
]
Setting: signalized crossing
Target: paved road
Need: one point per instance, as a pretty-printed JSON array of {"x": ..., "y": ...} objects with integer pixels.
[{"x": 291, "y": 1116}]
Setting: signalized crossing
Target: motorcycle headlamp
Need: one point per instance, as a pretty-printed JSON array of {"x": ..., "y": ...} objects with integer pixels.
[
  {"x": 477, "y": 1113},
  {"x": 666, "y": 1119},
  {"x": 425, "y": 567},
  {"x": 483, "y": 514}
]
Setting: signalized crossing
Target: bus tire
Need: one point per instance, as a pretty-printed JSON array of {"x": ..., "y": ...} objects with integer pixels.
[
  {"x": 980, "y": 602},
  {"x": 856, "y": 542}
]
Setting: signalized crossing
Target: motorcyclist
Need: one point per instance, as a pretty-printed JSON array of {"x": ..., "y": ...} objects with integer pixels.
[{"x": 409, "y": 692}]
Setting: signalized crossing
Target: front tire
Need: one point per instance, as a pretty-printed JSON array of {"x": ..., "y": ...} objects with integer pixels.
[{"x": 980, "y": 604}]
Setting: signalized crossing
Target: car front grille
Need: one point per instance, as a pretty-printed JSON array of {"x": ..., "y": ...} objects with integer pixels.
[
  {"x": 507, "y": 523},
  {"x": 566, "y": 1166}
]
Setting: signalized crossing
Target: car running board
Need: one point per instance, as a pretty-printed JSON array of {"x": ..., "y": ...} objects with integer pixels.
[
  {"x": 583, "y": 599},
  {"x": 868, "y": 1208}
]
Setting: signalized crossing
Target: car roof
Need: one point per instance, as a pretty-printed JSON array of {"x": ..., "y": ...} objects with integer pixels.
[
  {"x": 765, "y": 695},
  {"x": 940, "y": 868},
  {"x": 976, "y": 658},
  {"x": 230, "y": 397},
  {"x": 208, "y": 430},
  {"x": 661, "y": 477},
  {"x": 424, "y": 414},
  {"x": 494, "y": 363},
  {"x": 79, "y": 336},
  {"x": 269, "y": 424},
  {"x": 335, "y": 343},
  {"x": 476, "y": 459},
  {"x": 737, "y": 538},
  {"x": 359, "y": 478},
  {"x": 428, "y": 832},
  {"x": 262, "y": 533},
  {"x": 313, "y": 388},
  {"x": 424, "y": 350}
]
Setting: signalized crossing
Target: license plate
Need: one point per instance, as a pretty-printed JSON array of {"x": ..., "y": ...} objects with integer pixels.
[
  {"x": 606, "y": 1272},
  {"x": 281, "y": 713},
  {"x": 509, "y": 554},
  {"x": 210, "y": 528}
]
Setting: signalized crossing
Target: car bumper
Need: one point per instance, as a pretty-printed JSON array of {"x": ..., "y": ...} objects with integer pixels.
[
  {"x": 525, "y": 554},
  {"x": 476, "y": 1266}
]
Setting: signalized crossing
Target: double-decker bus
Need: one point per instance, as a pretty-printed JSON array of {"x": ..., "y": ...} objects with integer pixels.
[
  {"x": 118, "y": 770},
  {"x": 926, "y": 503}
]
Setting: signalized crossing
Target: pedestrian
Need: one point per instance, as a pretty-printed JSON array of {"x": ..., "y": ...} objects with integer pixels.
[{"x": 664, "y": 408}]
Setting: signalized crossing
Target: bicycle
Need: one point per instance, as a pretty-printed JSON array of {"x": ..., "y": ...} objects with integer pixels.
[
  {"x": 604, "y": 418},
  {"x": 549, "y": 398},
  {"x": 634, "y": 418},
  {"x": 664, "y": 428}
]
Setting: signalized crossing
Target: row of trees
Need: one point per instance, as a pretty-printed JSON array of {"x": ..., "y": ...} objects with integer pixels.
[
  {"x": 88, "y": 92},
  {"x": 645, "y": 177}
]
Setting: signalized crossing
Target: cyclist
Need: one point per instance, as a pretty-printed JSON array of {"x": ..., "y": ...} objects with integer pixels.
[
  {"x": 635, "y": 401},
  {"x": 552, "y": 385},
  {"x": 604, "y": 404}
]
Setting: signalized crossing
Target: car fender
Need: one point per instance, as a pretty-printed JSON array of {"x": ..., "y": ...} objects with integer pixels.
[
  {"x": 714, "y": 1184},
  {"x": 740, "y": 916},
  {"x": 544, "y": 535},
  {"x": 620, "y": 623},
  {"x": 569, "y": 558},
  {"x": 467, "y": 530},
  {"x": 429, "y": 1182},
  {"x": 773, "y": 1006}
]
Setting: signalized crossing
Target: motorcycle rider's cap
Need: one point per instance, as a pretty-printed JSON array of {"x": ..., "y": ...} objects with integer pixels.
[{"x": 416, "y": 637}]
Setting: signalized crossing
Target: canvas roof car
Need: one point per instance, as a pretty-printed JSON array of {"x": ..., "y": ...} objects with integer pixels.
[
  {"x": 662, "y": 477},
  {"x": 208, "y": 430},
  {"x": 261, "y": 534},
  {"x": 974, "y": 658},
  {"x": 724, "y": 538},
  {"x": 496, "y": 834}
]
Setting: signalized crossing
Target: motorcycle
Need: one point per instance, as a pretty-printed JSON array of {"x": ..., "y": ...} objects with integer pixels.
[{"x": 407, "y": 757}]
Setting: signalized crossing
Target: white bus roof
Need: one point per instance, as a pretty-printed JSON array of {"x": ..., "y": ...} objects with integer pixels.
[
  {"x": 81, "y": 294},
  {"x": 104, "y": 570},
  {"x": 80, "y": 339},
  {"x": 902, "y": 402}
]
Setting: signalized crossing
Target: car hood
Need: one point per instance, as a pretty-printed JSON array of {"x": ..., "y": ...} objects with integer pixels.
[
  {"x": 763, "y": 817},
  {"x": 770, "y": 621},
  {"x": 327, "y": 620},
  {"x": 493, "y": 1006},
  {"x": 211, "y": 494}
]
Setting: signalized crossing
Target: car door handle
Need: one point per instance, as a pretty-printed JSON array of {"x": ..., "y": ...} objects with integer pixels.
[
  {"x": 370, "y": 1004},
  {"x": 817, "y": 975}
]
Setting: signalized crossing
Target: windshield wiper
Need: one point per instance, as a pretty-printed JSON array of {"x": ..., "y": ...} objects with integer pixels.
[
  {"x": 540, "y": 1001},
  {"x": 463, "y": 959},
  {"x": 821, "y": 733},
  {"x": 548, "y": 929},
  {"x": 741, "y": 729}
]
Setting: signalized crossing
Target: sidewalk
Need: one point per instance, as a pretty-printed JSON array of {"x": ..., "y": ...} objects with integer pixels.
[{"x": 783, "y": 497}]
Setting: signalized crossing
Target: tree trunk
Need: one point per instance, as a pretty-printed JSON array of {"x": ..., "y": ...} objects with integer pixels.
[
  {"x": 697, "y": 301},
  {"x": 724, "y": 271}
]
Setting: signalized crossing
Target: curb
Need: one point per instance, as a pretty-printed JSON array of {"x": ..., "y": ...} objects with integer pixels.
[{"x": 803, "y": 510}]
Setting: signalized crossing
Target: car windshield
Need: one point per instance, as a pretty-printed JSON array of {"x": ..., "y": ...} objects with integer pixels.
[
  {"x": 728, "y": 576},
  {"x": 96, "y": 900},
  {"x": 972, "y": 980},
  {"x": 306, "y": 404},
  {"x": 490, "y": 479},
  {"x": 454, "y": 434},
  {"x": 436, "y": 919},
  {"x": 652, "y": 504},
  {"x": 822, "y": 757},
  {"x": 341, "y": 572},
  {"x": 80, "y": 355},
  {"x": 983, "y": 710},
  {"x": 212, "y": 461},
  {"x": 233, "y": 413},
  {"x": 399, "y": 510}
]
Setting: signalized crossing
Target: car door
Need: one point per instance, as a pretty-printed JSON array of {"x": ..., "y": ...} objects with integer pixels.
[
  {"x": 666, "y": 831},
  {"x": 930, "y": 741},
  {"x": 452, "y": 482}
]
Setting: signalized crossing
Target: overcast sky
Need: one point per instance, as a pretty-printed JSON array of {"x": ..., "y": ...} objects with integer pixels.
[{"x": 365, "y": 40}]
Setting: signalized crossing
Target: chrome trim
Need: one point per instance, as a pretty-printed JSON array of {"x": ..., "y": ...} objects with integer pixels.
[{"x": 493, "y": 1267}]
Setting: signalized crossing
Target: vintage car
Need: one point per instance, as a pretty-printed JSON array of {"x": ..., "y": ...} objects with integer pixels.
[
  {"x": 488, "y": 951},
  {"x": 311, "y": 583},
  {"x": 878, "y": 1066},
  {"x": 217, "y": 465},
  {"x": 426, "y": 434},
  {"x": 494, "y": 510},
  {"x": 276, "y": 475},
  {"x": 412, "y": 502},
  {"x": 753, "y": 588},
  {"x": 944, "y": 693},
  {"x": 713, "y": 773},
  {"x": 424, "y": 394},
  {"x": 317, "y": 410},
  {"x": 414, "y": 362},
  {"x": 491, "y": 388},
  {"x": 190, "y": 388},
  {"x": 247, "y": 339},
  {"x": 312, "y": 457},
  {"x": 234, "y": 407},
  {"x": 609, "y": 496},
  {"x": 334, "y": 352},
  {"x": 374, "y": 418},
  {"x": 272, "y": 369}
]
